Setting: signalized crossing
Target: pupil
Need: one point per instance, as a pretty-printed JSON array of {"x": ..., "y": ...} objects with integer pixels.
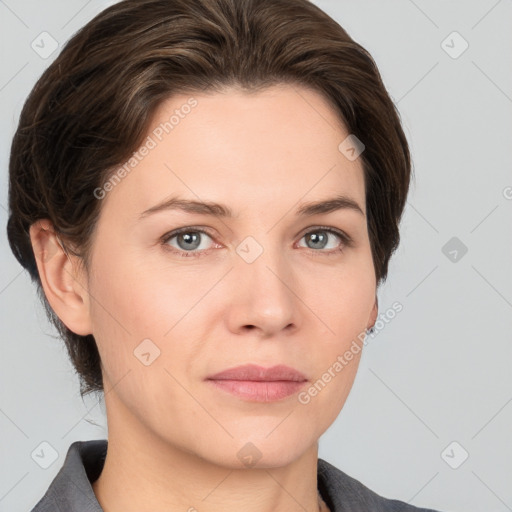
[
  {"x": 315, "y": 238},
  {"x": 189, "y": 240}
]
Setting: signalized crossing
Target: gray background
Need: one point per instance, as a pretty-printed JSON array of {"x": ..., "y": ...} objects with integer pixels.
[{"x": 439, "y": 372}]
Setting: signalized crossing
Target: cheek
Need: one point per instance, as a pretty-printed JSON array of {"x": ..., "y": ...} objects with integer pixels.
[
  {"x": 137, "y": 300},
  {"x": 125, "y": 310},
  {"x": 344, "y": 297},
  {"x": 343, "y": 303},
  {"x": 132, "y": 311}
]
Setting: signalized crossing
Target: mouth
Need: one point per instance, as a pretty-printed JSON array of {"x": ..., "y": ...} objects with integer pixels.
[{"x": 258, "y": 384}]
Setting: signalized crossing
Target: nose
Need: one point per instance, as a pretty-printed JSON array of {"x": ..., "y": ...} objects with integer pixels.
[{"x": 263, "y": 292}]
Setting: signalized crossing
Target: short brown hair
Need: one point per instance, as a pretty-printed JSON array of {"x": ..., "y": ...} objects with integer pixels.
[{"x": 91, "y": 108}]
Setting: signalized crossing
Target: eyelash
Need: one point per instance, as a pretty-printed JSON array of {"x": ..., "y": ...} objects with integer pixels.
[{"x": 346, "y": 241}]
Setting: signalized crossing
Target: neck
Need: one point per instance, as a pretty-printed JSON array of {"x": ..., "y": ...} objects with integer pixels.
[{"x": 144, "y": 473}]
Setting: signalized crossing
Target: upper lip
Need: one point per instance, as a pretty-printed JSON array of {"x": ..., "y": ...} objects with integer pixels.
[{"x": 259, "y": 373}]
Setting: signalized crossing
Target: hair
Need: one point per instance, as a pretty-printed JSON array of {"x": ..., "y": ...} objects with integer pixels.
[{"x": 92, "y": 107}]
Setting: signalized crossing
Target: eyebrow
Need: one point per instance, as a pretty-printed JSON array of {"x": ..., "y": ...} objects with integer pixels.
[{"x": 340, "y": 202}]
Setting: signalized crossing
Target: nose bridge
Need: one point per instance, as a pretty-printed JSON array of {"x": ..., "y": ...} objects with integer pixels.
[
  {"x": 262, "y": 256},
  {"x": 263, "y": 282}
]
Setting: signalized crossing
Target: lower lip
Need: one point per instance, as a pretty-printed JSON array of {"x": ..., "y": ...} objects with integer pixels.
[{"x": 259, "y": 391}]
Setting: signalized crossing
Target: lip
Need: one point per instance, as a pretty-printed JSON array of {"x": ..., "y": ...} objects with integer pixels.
[
  {"x": 259, "y": 384},
  {"x": 256, "y": 373}
]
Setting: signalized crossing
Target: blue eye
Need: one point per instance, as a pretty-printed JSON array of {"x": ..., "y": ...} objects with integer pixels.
[
  {"x": 189, "y": 241},
  {"x": 319, "y": 238}
]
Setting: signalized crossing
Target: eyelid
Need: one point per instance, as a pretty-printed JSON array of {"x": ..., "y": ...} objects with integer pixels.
[{"x": 344, "y": 236}]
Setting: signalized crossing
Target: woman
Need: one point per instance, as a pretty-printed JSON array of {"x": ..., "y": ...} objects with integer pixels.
[{"x": 208, "y": 193}]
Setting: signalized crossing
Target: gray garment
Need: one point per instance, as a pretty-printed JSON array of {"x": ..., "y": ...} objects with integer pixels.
[{"x": 71, "y": 489}]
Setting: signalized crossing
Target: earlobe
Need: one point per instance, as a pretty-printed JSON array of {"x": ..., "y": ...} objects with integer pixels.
[{"x": 63, "y": 284}]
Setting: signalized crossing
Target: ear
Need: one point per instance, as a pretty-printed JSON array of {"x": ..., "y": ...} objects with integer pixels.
[
  {"x": 373, "y": 314},
  {"x": 61, "y": 277}
]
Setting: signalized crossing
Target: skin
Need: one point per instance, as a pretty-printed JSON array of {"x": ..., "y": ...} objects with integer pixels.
[{"x": 174, "y": 438}]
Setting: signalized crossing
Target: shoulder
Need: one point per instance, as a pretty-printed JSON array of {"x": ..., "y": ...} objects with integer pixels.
[
  {"x": 71, "y": 488},
  {"x": 342, "y": 493}
]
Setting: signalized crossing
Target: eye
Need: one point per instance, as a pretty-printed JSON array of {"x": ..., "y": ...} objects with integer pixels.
[
  {"x": 189, "y": 241},
  {"x": 318, "y": 240}
]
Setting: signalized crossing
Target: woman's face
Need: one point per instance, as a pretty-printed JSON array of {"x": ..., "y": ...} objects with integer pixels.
[{"x": 265, "y": 286}]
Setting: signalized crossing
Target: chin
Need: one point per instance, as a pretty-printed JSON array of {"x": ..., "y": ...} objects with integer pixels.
[{"x": 262, "y": 452}]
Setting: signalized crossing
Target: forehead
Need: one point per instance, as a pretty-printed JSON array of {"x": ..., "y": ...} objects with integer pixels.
[{"x": 276, "y": 146}]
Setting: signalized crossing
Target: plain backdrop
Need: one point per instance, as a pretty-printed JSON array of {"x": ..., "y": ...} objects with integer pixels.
[{"x": 429, "y": 418}]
